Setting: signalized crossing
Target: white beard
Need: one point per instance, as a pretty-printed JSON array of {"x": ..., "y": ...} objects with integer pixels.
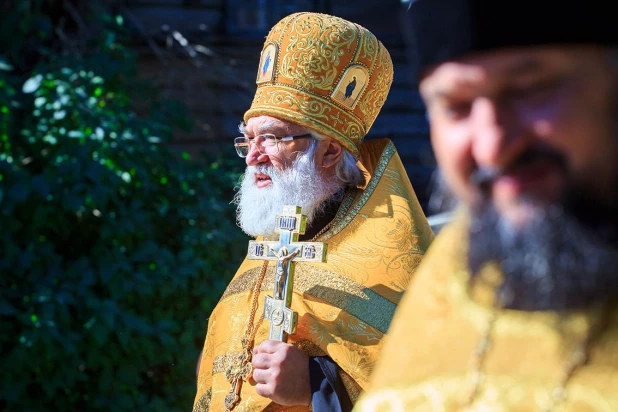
[{"x": 299, "y": 185}]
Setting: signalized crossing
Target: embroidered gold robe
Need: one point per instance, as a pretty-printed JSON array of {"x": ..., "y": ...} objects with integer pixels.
[
  {"x": 345, "y": 305},
  {"x": 426, "y": 364}
]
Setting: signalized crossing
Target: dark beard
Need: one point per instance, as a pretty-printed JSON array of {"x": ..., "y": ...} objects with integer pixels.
[
  {"x": 553, "y": 263},
  {"x": 566, "y": 257}
]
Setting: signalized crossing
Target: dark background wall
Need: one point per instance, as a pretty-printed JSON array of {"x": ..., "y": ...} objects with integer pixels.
[{"x": 204, "y": 53}]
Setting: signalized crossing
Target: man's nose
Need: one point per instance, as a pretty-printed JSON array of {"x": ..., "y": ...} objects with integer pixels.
[
  {"x": 254, "y": 157},
  {"x": 498, "y": 137}
]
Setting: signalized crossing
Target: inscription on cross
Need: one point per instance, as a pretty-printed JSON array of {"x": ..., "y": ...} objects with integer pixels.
[{"x": 287, "y": 251}]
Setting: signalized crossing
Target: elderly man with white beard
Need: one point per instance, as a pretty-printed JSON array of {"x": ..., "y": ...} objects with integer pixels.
[
  {"x": 273, "y": 180},
  {"x": 321, "y": 83}
]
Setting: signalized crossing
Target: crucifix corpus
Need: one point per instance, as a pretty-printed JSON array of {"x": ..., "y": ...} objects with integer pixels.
[{"x": 287, "y": 251}]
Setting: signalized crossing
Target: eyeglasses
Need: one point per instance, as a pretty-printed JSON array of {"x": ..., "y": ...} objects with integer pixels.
[{"x": 267, "y": 144}]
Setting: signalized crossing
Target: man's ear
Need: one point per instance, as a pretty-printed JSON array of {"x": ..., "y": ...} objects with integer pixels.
[{"x": 333, "y": 154}]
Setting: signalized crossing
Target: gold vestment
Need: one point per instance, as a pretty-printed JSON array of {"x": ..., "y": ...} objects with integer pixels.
[
  {"x": 345, "y": 305},
  {"x": 530, "y": 359}
]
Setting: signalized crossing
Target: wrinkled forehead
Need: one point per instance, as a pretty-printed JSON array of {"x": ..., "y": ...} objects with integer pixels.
[{"x": 267, "y": 124}]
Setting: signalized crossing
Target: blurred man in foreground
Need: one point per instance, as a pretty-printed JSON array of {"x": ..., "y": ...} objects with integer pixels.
[{"x": 514, "y": 306}]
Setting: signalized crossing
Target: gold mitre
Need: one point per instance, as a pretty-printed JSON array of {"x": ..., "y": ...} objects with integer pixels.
[{"x": 324, "y": 73}]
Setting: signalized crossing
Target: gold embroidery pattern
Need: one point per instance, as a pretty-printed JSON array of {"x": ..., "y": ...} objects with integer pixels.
[
  {"x": 204, "y": 374},
  {"x": 500, "y": 394},
  {"x": 347, "y": 202},
  {"x": 401, "y": 235},
  {"x": 376, "y": 93},
  {"x": 355, "y": 131},
  {"x": 393, "y": 183},
  {"x": 408, "y": 262},
  {"x": 274, "y": 407},
  {"x": 203, "y": 405},
  {"x": 352, "y": 388},
  {"x": 314, "y": 108},
  {"x": 338, "y": 226},
  {"x": 314, "y": 53},
  {"x": 318, "y": 330},
  {"x": 223, "y": 362},
  {"x": 356, "y": 361},
  {"x": 357, "y": 300},
  {"x": 246, "y": 281},
  {"x": 355, "y": 330},
  {"x": 367, "y": 50},
  {"x": 397, "y": 241},
  {"x": 354, "y": 298},
  {"x": 310, "y": 348},
  {"x": 278, "y": 32},
  {"x": 317, "y": 113}
]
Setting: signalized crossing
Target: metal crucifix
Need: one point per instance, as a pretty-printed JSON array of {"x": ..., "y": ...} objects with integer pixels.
[{"x": 288, "y": 250}]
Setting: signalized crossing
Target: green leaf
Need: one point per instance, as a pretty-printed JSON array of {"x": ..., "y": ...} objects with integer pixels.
[
  {"x": 75, "y": 134},
  {"x": 32, "y": 84},
  {"x": 39, "y": 101}
]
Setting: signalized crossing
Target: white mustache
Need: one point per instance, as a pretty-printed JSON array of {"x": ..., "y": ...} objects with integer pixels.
[{"x": 301, "y": 185}]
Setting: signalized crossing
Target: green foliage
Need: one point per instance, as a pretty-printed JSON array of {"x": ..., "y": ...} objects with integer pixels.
[{"x": 114, "y": 248}]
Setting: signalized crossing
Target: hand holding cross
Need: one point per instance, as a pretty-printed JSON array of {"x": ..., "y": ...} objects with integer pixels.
[{"x": 287, "y": 251}]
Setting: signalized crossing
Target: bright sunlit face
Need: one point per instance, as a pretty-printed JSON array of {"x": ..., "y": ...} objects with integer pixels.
[
  {"x": 288, "y": 151},
  {"x": 301, "y": 173},
  {"x": 539, "y": 122}
]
